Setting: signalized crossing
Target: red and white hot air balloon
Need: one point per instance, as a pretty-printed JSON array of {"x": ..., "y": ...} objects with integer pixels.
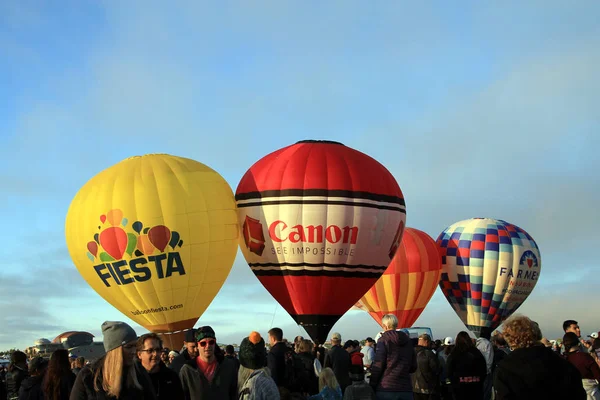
[{"x": 320, "y": 223}]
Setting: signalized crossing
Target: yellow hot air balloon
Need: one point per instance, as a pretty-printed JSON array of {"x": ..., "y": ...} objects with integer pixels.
[{"x": 156, "y": 237}]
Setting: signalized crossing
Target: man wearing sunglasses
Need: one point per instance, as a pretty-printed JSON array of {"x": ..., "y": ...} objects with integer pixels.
[
  {"x": 165, "y": 381},
  {"x": 210, "y": 376}
]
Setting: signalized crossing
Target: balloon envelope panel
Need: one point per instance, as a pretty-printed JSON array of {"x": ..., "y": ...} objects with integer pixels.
[
  {"x": 489, "y": 268},
  {"x": 320, "y": 223},
  {"x": 408, "y": 283},
  {"x": 156, "y": 237}
]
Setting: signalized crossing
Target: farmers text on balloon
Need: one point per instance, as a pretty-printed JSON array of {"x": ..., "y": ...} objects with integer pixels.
[{"x": 521, "y": 274}]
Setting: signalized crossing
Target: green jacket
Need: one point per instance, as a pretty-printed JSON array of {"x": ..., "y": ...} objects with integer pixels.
[{"x": 222, "y": 387}]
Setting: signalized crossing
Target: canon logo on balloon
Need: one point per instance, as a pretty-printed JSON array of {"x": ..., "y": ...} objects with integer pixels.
[{"x": 280, "y": 232}]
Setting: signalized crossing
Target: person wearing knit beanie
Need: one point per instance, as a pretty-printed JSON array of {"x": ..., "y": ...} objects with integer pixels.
[
  {"x": 116, "y": 334},
  {"x": 172, "y": 355},
  {"x": 253, "y": 353},
  {"x": 254, "y": 379},
  {"x": 115, "y": 375}
]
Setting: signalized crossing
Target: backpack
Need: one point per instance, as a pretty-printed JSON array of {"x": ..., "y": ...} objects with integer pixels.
[{"x": 295, "y": 376}]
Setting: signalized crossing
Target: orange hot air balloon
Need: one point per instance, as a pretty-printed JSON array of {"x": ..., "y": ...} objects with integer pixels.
[{"x": 408, "y": 283}]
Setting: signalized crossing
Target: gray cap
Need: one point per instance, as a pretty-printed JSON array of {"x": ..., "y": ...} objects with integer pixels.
[{"x": 116, "y": 334}]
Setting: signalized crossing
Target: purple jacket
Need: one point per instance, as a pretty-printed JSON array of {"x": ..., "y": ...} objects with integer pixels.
[{"x": 395, "y": 360}]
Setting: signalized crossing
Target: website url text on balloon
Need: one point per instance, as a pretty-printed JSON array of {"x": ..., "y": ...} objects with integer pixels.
[{"x": 155, "y": 310}]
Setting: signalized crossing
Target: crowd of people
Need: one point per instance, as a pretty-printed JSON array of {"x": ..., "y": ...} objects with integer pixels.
[{"x": 517, "y": 363}]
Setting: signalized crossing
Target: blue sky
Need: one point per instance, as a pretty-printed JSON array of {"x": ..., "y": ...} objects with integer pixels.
[{"x": 488, "y": 109}]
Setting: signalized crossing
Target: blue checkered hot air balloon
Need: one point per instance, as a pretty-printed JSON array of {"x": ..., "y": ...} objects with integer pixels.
[{"x": 489, "y": 268}]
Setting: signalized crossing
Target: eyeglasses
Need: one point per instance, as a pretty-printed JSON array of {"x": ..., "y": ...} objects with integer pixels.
[
  {"x": 210, "y": 342},
  {"x": 152, "y": 351}
]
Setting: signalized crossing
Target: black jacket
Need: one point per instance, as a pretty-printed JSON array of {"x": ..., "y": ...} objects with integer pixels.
[
  {"x": 276, "y": 362},
  {"x": 179, "y": 361},
  {"x": 2, "y": 390},
  {"x": 84, "y": 385},
  {"x": 339, "y": 361},
  {"x": 235, "y": 361},
  {"x": 426, "y": 378},
  {"x": 467, "y": 371},
  {"x": 308, "y": 362},
  {"x": 14, "y": 379},
  {"x": 166, "y": 383},
  {"x": 537, "y": 373},
  {"x": 31, "y": 388},
  {"x": 223, "y": 386}
]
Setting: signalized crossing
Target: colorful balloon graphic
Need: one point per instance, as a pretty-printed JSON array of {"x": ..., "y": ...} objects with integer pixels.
[
  {"x": 114, "y": 241},
  {"x": 143, "y": 268},
  {"x": 408, "y": 283},
  {"x": 159, "y": 236},
  {"x": 489, "y": 268},
  {"x": 93, "y": 248},
  {"x": 320, "y": 223}
]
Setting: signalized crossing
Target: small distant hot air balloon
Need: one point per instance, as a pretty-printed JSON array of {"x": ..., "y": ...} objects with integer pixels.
[
  {"x": 489, "y": 268},
  {"x": 408, "y": 283},
  {"x": 320, "y": 223},
  {"x": 156, "y": 237}
]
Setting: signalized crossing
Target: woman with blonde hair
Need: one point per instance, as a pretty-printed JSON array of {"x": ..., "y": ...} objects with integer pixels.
[
  {"x": 329, "y": 388},
  {"x": 532, "y": 370},
  {"x": 114, "y": 376}
]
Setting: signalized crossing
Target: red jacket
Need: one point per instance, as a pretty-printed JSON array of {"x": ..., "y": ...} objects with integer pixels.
[{"x": 585, "y": 364}]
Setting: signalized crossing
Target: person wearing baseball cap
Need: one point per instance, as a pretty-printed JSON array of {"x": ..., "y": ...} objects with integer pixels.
[
  {"x": 210, "y": 376},
  {"x": 189, "y": 351},
  {"x": 164, "y": 356},
  {"x": 339, "y": 361},
  {"x": 426, "y": 379},
  {"x": 443, "y": 355},
  {"x": 114, "y": 374}
]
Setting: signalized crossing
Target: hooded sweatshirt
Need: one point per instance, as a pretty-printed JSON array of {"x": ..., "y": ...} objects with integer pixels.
[
  {"x": 356, "y": 358},
  {"x": 537, "y": 373},
  {"x": 395, "y": 360}
]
